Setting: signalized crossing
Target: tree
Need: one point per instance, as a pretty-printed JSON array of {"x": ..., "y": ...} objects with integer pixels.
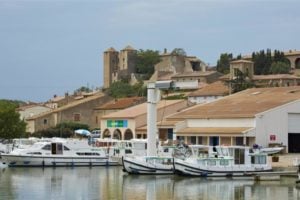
[
  {"x": 223, "y": 64},
  {"x": 11, "y": 126},
  {"x": 279, "y": 68},
  {"x": 263, "y": 61},
  {"x": 120, "y": 89},
  {"x": 82, "y": 89},
  {"x": 146, "y": 60},
  {"x": 240, "y": 82},
  {"x": 178, "y": 51}
]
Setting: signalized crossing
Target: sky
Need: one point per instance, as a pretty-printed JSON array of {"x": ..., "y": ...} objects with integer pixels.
[{"x": 50, "y": 47}]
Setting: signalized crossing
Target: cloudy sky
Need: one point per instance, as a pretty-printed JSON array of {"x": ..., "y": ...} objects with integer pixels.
[{"x": 51, "y": 47}]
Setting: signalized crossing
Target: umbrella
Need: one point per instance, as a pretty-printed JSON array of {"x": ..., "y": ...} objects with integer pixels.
[{"x": 82, "y": 132}]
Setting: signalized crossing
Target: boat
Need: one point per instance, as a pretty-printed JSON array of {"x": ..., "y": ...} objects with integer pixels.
[
  {"x": 116, "y": 149},
  {"x": 224, "y": 161},
  {"x": 270, "y": 150},
  {"x": 160, "y": 164},
  {"x": 58, "y": 152}
]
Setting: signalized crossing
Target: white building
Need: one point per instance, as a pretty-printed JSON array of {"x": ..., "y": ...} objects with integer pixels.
[
  {"x": 209, "y": 93},
  {"x": 266, "y": 116}
]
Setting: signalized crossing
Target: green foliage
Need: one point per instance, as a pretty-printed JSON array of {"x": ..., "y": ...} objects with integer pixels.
[
  {"x": 174, "y": 97},
  {"x": 146, "y": 60},
  {"x": 54, "y": 132},
  {"x": 178, "y": 51},
  {"x": 83, "y": 89},
  {"x": 121, "y": 89},
  {"x": 240, "y": 83},
  {"x": 279, "y": 68},
  {"x": 14, "y": 102},
  {"x": 64, "y": 129},
  {"x": 223, "y": 64},
  {"x": 264, "y": 60},
  {"x": 72, "y": 126},
  {"x": 10, "y": 124}
]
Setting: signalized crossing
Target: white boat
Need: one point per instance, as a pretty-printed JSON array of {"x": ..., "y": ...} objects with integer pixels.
[
  {"x": 270, "y": 150},
  {"x": 116, "y": 149},
  {"x": 59, "y": 153},
  {"x": 225, "y": 161},
  {"x": 148, "y": 165},
  {"x": 162, "y": 163}
]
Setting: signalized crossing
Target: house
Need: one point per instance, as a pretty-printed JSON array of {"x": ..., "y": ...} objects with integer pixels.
[
  {"x": 79, "y": 111},
  {"x": 209, "y": 92},
  {"x": 266, "y": 116},
  {"x": 29, "y": 110},
  {"x": 129, "y": 123},
  {"x": 114, "y": 106}
]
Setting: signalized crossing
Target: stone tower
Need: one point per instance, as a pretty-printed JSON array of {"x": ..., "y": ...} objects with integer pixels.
[
  {"x": 245, "y": 66},
  {"x": 110, "y": 66},
  {"x": 118, "y": 65}
]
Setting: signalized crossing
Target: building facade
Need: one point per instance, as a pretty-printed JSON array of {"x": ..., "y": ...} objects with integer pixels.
[{"x": 265, "y": 116}]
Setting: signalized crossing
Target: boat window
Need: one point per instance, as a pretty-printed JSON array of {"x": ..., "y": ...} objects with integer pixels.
[
  {"x": 239, "y": 156},
  {"x": 211, "y": 162},
  {"x": 46, "y": 147},
  {"x": 224, "y": 162},
  {"x": 56, "y": 148},
  {"x": 87, "y": 154},
  {"x": 34, "y": 153},
  {"x": 128, "y": 151},
  {"x": 201, "y": 162},
  {"x": 66, "y": 148},
  {"x": 258, "y": 160}
]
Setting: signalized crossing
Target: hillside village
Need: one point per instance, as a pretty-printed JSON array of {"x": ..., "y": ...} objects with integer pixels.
[{"x": 266, "y": 114}]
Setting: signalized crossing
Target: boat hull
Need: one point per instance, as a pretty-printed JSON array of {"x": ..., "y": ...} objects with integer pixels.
[
  {"x": 188, "y": 169},
  {"x": 56, "y": 161},
  {"x": 140, "y": 166}
]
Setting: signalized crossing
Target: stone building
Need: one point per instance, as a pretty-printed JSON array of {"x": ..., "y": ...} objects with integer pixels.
[
  {"x": 80, "y": 111},
  {"x": 118, "y": 65},
  {"x": 271, "y": 80}
]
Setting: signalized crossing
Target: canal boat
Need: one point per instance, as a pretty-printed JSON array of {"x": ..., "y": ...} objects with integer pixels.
[
  {"x": 59, "y": 152},
  {"x": 223, "y": 161},
  {"x": 162, "y": 163},
  {"x": 116, "y": 149}
]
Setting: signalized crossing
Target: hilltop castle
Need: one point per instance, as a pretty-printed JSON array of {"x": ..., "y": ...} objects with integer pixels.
[{"x": 120, "y": 64}]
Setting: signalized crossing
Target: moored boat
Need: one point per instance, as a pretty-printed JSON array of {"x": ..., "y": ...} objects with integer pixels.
[
  {"x": 148, "y": 165},
  {"x": 224, "y": 161},
  {"x": 58, "y": 153}
]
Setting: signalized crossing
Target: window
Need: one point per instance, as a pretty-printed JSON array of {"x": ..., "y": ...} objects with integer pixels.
[
  {"x": 76, "y": 117},
  {"x": 46, "y": 147},
  {"x": 224, "y": 162},
  {"x": 87, "y": 154},
  {"x": 258, "y": 160},
  {"x": 34, "y": 153},
  {"x": 211, "y": 162},
  {"x": 45, "y": 121}
]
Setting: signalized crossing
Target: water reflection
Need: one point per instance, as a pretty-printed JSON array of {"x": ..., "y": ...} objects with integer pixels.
[{"x": 112, "y": 183}]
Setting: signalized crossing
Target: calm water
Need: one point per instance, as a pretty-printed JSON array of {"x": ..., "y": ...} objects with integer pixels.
[{"x": 112, "y": 183}]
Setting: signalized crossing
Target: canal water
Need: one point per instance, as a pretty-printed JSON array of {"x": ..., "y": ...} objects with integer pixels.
[{"x": 85, "y": 183}]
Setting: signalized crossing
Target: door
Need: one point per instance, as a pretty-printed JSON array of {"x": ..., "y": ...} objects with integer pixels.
[{"x": 293, "y": 141}]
